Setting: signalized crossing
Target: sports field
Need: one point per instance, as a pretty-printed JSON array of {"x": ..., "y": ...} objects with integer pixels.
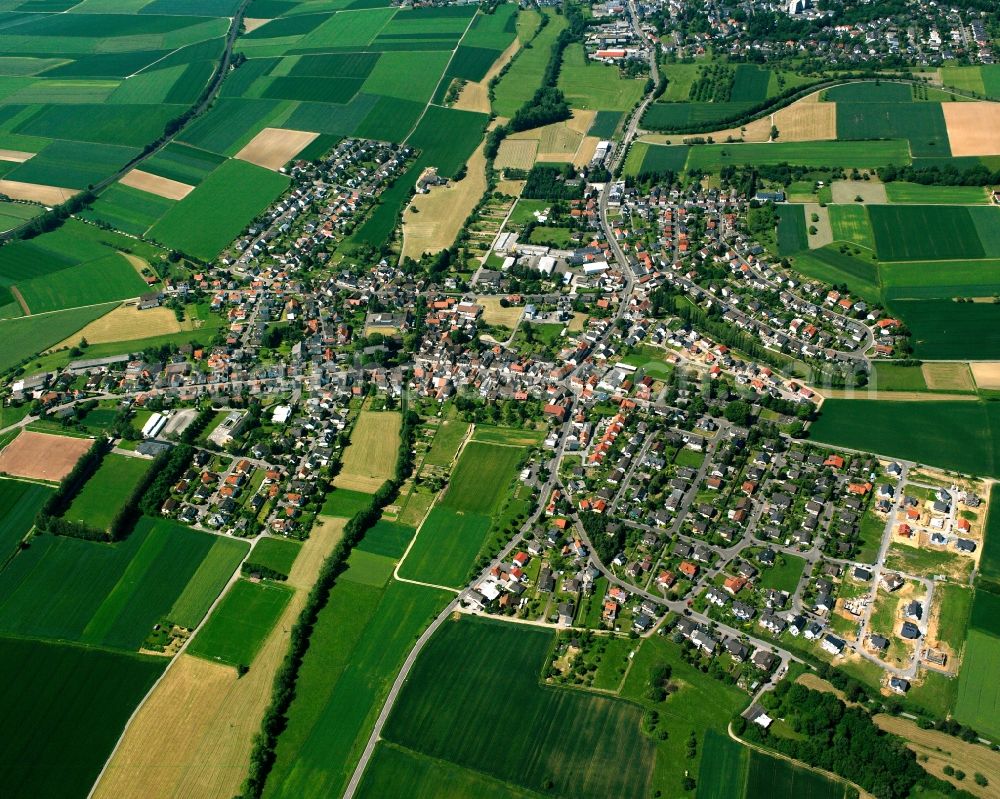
[
  {"x": 370, "y": 459},
  {"x": 104, "y": 493},
  {"x": 62, "y": 709},
  {"x": 926, "y": 432},
  {"x": 458, "y": 681},
  {"x": 19, "y": 502},
  {"x": 241, "y": 622},
  {"x": 978, "y": 702}
]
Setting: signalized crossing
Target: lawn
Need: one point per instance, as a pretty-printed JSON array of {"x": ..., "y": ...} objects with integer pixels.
[
  {"x": 951, "y": 435},
  {"x": 229, "y": 198},
  {"x": 361, "y": 638},
  {"x": 19, "y": 502},
  {"x": 446, "y": 547},
  {"x": 924, "y": 232},
  {"x": 792, "y": 233},
  {"x": 240, "y": 623},
  {"x": 369, "y": 568},
  {"x": 275, "y": 553},
  {"x": 102, "y": 496},
  {"x": 918, "y": 194},
  {"x": 784, "y": 575},
  {"x": 102, "y": 594},
  {"x": 64, "y": 708},
  {"x": 591, "y": 85},
  {"x": 458, "y": 681},
  {"x": 396, "y": 771},
  {"x": 481, "y": 479},
  {"x": 872, "y": 154}
]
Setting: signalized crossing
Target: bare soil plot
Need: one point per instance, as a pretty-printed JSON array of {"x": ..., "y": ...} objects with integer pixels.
[
  {"x": 433, "y": 220},
  {"x": 194, "y": 734},
  {"x": 36, "y": 193},
  {"x": 948, "y": 376},
  {"x": 154, "y": 184},
  {"x": 942, "y": 749},
  {"x": 987, "y": 374},
  {"x": 272, "y": 148},
  {"x": 494, "y": 314},
  {"x": 517, "y": 153},
  {"x": 41, "y": 456},
  {"x": 251, "y": 24},
  {"x": 370, "y": 459},
  {"x": 824, "y": 230},
  {"x": 128, "y": 323},
  {"x": 17, "y": 156},
  {"x": 871, "y": 191},
  {"x": 972, "y": 128}
]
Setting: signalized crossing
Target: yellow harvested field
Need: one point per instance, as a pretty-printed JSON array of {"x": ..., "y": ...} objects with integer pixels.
[
  {"x": 807, "y": 120},
  {"x": 17, "y": 156},
  {"x": 40, "y": 456},
  {"x": 194, "y": 734},
  {"x": 432, "y": 220},
  {"x": 251, "y": 24},
  {"x": 475, "y": 96},
  {"x": 128, "y": 323},
  {"x": 154, "y": 184},
  {"x": 581, "y": 121},
  {"x": 972, "y": 128},
  {"x": 516, "y": 153},
  {"x": 559, "y": 142},
  {"x": 948, "y": 376},
  {"x": 382, "y": 330},
  {"x": 512, "y": 188},
  {"x": 942, "y": 749},
  {"x": 495, "y": 314},
  {"x": 370, "y": 459},
  {"x": 36, "y": 193},
  {"x": 870, "y": 191},
  {"x": 897, "y": 396},
  {"x": 585, "y": 153},
  {"x": 272, "y": 148},
  {"x": 987, "y": 374}
]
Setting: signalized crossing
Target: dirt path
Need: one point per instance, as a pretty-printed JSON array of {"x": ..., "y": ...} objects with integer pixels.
[{"x": 20, "y": 300}]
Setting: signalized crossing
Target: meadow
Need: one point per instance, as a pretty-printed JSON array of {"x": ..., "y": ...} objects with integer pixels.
[
  {"x": 28, "y": 335},
  {"x": 458, "y": 681},
  {"x": 588, "y": 84},
  {"x": 850, "y": 223},
  {"x": 207, "y": 581},
  {"x": 793, "y": 236},
  {"x": 275, "y": 553},
  {"x": 107, "y": 595},
  {"x": 231, "y": 197},
  {"x": 105, "y": 492},
  {"x": 784, "y": 575},
  {"x": 359, "y": 642},
  {"x": 832, "y": 266},
  {"x": 448, "y": 436},
  {"x": 772, "y": 778},
  {"x": 926, "y": 432},
  {"x": 19, "y": 502},
  {"x": 468, "y": 491},
  {"x": 58, "y": 735},
  {"x": 927, "y": 280},
  {"x": 386, "y": 538},
  {"x": 446, "y": 547},
  {"x": 989, "y": 562},
  {"x": 978, "y": 702},
  {"x": 240, "y": 623},
  {"x": 345, "y": 503},
  {"x": 918, "y": 194},
  {"x": 518, "y": 85},
  {"x": 922, "y": 124},
  {"x": 370, "y": 459}
]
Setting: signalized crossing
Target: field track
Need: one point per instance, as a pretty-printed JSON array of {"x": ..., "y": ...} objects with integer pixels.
[
  {"x": 194, "y": 735},
  {"x": 40, "y": 456}
]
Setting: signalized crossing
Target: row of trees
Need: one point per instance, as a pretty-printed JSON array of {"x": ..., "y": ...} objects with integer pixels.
[{"x": 49, "y": 518}]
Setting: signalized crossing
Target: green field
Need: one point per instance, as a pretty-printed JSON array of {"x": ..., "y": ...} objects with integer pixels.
[
  {"x": 275, "y": 553},
  {"x": 345, "y": 503},
  {"x": 447, "y": 438},
  {"x": 64, "y": 708},
  {"x": 386, "y": 538},
  {"x": 102, "y": 496},
  {"x": 525, "y": 74},
  {"x": 952, "y": 435},
  {"x": 850, "y": 224},
  {"x": 588, "y": 84},
  {"x": 107, "y": 595},
  {"x": 873, "y": 154},
  {"x": 920, "y": 123},
  {"x": 832, "y": 266},
  {"x": 73, "y": 165},
  {"x": 928, "y": 280},
  {"x": 109, "y": 278},
  {"x": 918, "y": 194},
  {"x": 230, "y": 197},
  {"x": 989, "y": 561},
  {"x": 772, "y": 778},
  {"x": 978, "y": 702},
  {"x": 458, "y": 681},
  {"x": 792, "y": 233},
  {"x": 481, "y": 479},
  {"x": 19, "y": 502},
  {"x": 360, "y": 640},
  {"x": 396, "y": 771},
  {"x": 208, "y": 581},
  {"x": 870, "y": 92},
  {"x": 183, "y": 163},
  {"x": 28, "y": 335},
  {"x": 727, "y": 777},
  {"x": 680, "y": 115},
  {"x": 944, "y": 330},
  {"x": 446, "y": 547},
  {"x": 240, "y": 623},
  {"x": 128, "y": 210},
  {"x": 924, "y": 232},
  {"x": 369, "y": 568},
  {"x": 890, "y": 377}
]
